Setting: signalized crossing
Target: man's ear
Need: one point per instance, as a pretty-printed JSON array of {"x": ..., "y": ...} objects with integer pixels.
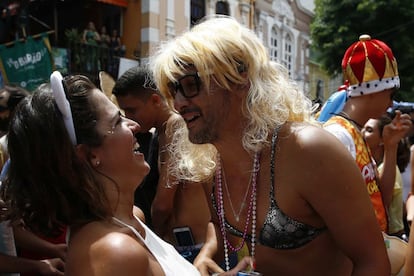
[{"x": 155, "y": 99}]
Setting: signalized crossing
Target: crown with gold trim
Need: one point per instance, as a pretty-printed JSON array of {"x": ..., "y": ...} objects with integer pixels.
[{"x": 369, "y": 66}]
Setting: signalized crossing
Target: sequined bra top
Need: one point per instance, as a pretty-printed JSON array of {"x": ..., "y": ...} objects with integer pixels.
[{"x": 279, "y": 230}]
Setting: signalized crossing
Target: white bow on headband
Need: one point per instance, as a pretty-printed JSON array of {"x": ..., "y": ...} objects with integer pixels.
[{"x": 63, "y": 104}]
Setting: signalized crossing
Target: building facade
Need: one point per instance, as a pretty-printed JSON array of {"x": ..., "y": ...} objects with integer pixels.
[{"x": 283, "y": 26}]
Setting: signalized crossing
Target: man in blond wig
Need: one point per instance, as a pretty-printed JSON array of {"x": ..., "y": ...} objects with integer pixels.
[{"x": 276, "y": 196}]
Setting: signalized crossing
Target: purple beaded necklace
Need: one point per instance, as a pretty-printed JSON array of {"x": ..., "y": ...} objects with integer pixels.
[{"x": 250, "y": 213}]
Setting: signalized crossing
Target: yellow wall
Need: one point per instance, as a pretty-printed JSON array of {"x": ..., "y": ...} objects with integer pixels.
[{"x": 131, "y": 35}]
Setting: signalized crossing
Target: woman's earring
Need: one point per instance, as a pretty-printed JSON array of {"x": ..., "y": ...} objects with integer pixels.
[{"x": 97, "y": 163}]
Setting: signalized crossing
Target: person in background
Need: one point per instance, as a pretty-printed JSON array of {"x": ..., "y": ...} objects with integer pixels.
[
  {"x": 409, "y": 257},
  {"x": 116, "y": 44},
  {"x": 372, "y": 132},
  {"x": 82, "y": 165},
  {"x": 409, "y": 189},
  {"x": 128, "y": 85},
  {"x": 179, "y": 211},
  {"x": 104, "y": 50},
  {"x": 116, "y": 50},
  {"x": 10, "y": 96},
  {"x": 105, "y": 39},
  {"x": 13, "y": 265},
  {"x": 90, "y": 35},
  {"x": 10, "y": 263},
  {"x": 30, "y": 246},
  {"x": 371, "y": 73},
  {"x": 281, "y": 192}
]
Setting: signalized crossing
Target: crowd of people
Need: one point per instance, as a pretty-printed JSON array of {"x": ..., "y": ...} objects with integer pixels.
[
  {"x": 209, "y": 162},
  {"x": 103, "y": 48}
]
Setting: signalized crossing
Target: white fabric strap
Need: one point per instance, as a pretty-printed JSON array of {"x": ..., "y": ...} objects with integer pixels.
[{"x": 63, "y": 104}]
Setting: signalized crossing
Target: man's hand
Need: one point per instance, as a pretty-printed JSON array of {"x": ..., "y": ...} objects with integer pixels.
[
  {"x": 397, "y": 129},
  {"x": 206, "y": 266}
]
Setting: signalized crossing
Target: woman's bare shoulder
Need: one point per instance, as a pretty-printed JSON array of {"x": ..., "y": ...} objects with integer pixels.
[{"x": 100, "y": 243}]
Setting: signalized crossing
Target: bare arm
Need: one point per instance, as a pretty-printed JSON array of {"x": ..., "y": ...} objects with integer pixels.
[
  {"x": 12, "y": 264},
  {"x": 392, "y": 134},
  {"x": 26, "y": 239},
  {"x": 163, "y": 203},
  {"x": 204, "y": 261},
  {"x": 344, "y": 205},
  {"x": 84, "y": 35},
  {"x": 409, "y": 258},
  {"x": 410, "y": 199}
]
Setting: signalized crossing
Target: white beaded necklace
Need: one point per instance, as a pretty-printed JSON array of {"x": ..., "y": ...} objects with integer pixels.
[{"x": 251, "y": 211}]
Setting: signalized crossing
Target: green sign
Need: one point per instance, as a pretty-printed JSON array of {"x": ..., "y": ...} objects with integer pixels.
[{"x": 27, "y": 63}]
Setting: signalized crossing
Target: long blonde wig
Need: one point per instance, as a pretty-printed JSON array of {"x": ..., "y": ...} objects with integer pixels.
[{"x": 222, "y": 49}]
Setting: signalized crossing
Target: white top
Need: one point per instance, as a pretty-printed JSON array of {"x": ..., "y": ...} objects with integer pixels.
[
  {"x": 172, "y": 263},
  {"x": 343, "y": 135}
]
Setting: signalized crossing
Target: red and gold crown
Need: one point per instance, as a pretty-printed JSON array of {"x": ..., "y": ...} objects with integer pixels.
[{"x": 369, "y": 66}]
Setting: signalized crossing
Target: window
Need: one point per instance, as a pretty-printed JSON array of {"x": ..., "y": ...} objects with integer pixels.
[
  {"x": 222, "y": 7},
  {"x": 198, "y": 11},
  {"x": 287, "y": 54},
  {"x": 273, "y": 45}
]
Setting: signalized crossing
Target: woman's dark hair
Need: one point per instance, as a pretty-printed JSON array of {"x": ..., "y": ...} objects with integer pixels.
[
  {"x": 16, "y": 93},
  {"x": 47, "y": 185}
]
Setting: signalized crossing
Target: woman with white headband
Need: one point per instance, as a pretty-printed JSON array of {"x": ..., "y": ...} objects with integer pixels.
[{"x": 75, "y": 161}]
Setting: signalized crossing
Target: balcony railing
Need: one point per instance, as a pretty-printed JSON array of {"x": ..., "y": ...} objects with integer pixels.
[{"x": 90, "y": 59}]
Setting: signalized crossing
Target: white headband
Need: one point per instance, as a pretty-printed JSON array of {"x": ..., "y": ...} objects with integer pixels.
[{"x": 63, "y": 104}]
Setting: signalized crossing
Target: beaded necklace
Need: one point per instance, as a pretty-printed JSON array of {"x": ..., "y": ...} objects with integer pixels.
[
  {"x": 243, "y": 203},
  {"x": 250, "y": 213}
]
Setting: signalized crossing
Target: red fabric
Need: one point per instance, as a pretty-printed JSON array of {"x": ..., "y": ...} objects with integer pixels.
[
  {"x": 373, "y": 50},
  {"x": 61, "y": 238}
]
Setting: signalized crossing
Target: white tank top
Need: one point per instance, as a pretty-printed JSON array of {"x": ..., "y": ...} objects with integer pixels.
[{"x": 172, "y": 263}]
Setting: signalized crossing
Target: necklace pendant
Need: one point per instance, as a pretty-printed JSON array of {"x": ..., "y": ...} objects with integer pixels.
[{"x": 237, "y": 218}]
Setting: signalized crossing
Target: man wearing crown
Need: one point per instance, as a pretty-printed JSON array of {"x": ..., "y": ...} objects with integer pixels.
[{"x": 371, "y": 75}]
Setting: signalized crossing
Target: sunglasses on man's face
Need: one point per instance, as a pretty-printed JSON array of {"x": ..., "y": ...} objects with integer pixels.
[{"x": 188, "y": 85}]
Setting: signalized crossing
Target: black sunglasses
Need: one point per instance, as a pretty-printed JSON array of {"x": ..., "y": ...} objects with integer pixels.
[{"x": 188, "y": 85}]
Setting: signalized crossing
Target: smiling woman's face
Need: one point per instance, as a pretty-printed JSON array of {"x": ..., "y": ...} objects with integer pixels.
[{"x": 118, "y": 155}]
